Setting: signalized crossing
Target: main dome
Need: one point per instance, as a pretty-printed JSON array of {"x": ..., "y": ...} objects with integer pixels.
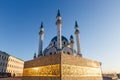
[{"x": 63, "y": 39}]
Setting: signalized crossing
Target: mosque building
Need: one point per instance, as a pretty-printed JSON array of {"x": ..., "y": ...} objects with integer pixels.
[
  {"x": 59, "y": 43},
  {"x": 59, "y": 60}
]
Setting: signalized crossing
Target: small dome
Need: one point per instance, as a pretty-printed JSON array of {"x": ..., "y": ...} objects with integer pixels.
[{"x": 55, "y": 39}]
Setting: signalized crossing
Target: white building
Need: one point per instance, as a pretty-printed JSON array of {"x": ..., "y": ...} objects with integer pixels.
[
  {"x": 59, "y": 43},
  {"x": 10, "y": 64},
  {"x": 3, "y": 61}
]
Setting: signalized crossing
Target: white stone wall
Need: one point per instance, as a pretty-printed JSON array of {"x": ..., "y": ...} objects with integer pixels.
[
  {"x": 59, "y": 34},
  {"x": 15, "y": 66},
  {"x": 10, "y": 64},
  {"x": 51, "y": 51},
  {"x": 78, "y": 43},
  {"x": 67, "y": 50},
  {"x": 40, "y": 44}
]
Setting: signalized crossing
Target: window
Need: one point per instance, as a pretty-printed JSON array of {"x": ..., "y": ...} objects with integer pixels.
[
  {"x": 64, "y": 43},
  {"x": 54, "y": 43},
  {"x": 3, "y": 64},
  {"x": 2, "y": 70},
  {"x": 0, "y": 63},
  {"x": 6, "y": 58},
  {"x": 68, "y": 53},
  {"x": 54, "y": 52},
  {"x": 50, "y": 53},
  {"x": 3, "y": 57}
]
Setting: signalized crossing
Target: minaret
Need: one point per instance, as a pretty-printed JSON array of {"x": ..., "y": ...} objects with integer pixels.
[
  {"x": 41, "y": 33},
  {"x": 59, "y": 27},
  {"x": 77, "y": 33},
  {"x": 72, "y": 43},
  {"x": 34, "y": 55}
]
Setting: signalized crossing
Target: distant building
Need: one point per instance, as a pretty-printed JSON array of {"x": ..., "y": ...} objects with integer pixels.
[
  {"x": 118, "y": 75},
  {"x": 10, "y": 65},
  {"x": 113, "y": 76},
  {"x": 3, "y": 63}
]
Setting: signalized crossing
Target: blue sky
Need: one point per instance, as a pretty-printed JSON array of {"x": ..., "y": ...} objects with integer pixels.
[{"x": 99, "y": 22}]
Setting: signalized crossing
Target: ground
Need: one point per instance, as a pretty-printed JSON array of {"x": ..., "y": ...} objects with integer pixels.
[{"x": 10, "y": 79}]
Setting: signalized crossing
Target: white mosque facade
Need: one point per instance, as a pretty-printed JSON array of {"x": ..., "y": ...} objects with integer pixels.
[{"x": 59, "y": 43}]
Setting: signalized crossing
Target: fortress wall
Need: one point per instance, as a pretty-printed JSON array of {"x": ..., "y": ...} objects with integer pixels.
[
  {"x": 77, "y": 68},
  {"x": 62, "y": 67}
]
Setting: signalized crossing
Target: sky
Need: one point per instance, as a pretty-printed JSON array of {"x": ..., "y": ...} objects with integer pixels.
[{"x": 98, "y": 20}]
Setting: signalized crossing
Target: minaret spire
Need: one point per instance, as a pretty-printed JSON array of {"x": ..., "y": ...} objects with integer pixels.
[
  {"x": 76, "y": 25},
  {"x": 77, "y": 33},
  {"x": 58, "y": 14},
  {"x": 34, "y": 55},
  {"x": 72, "y": 43},
  {"x": 41, "y": 33},
  {"x": 59, "y": 30}
]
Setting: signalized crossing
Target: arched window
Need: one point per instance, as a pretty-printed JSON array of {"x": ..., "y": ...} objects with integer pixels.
[
  {"x": 64, "y": 42},
  {"x": 54, "y": 43},
  {"x": 50, "y": 53},
  {"x": 68, "y": 53},
  {"x": 3, "y": 57}
]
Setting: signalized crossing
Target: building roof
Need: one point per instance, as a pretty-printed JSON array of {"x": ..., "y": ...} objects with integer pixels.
[
  {"x": 4, "y": 53},
  {"x": 41, "y": 25},
  {"x": 10, "y": 55},
  {"x": 17, "y": 58},
  {"x": 58, "y": 14},
  {"x": 55, "y": 39},
  {"x": 76, "y": 25}
]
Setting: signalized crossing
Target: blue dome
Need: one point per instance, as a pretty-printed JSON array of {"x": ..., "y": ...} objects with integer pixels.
[{"x": 55, "y": 39}]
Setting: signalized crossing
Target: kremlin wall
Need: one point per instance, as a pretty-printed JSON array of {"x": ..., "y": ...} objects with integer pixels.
[{"x": 62, "y": 67}]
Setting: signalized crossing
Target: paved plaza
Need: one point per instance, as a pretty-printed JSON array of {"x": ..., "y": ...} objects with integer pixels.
[{"x": 10, "y": 79}]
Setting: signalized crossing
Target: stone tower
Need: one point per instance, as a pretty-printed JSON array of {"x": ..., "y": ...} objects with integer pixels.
[
  {"x": 72, "y": 43},
  {"x": 34, "y": 56},
  {"x": 59, "y": 30},
  {"x": 41, "y": 33},
  {"x": 77, "y": 33}
]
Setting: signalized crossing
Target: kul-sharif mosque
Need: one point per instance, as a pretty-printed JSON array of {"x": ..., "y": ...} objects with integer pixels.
[
  {"x": 59, "y": 60},
  {"x": 59, "y": 43}
]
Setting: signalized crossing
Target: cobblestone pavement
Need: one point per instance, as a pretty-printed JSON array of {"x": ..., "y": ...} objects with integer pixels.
[{"x": 10, "y": 79}]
